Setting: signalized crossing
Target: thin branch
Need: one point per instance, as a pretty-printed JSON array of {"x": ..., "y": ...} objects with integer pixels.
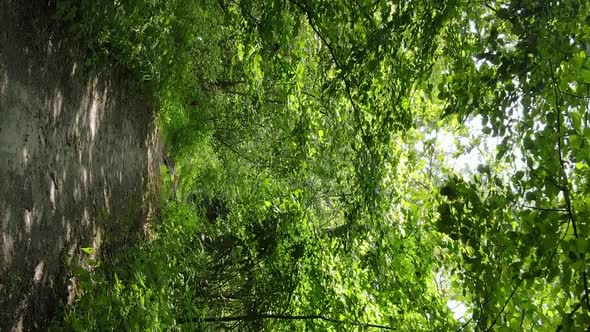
[
  {"x": 485, "y": 303},
  {"x": 465, "y": 325},
  {"x": 223, "y": 7},
  {"x": 364, "y": 11},
  {"x": 574, "y": 95},
  {"x": 539, "y": 208},
  {"x": 504, "y": 306},
  {"x": 490, "y": 7},
  {"x": 511, "y": 120},
  {"x": 557, "y": 247},
  {"x": 236, "y": 152},
  {"x": 574, "y": 309},
  {"x": 357, "y": 112},
  {"x": 310, "y": 19},
  {"x": 258, "y": 317},
  {"x": 566, "y": 191},
  {"x": 554, "y": 182},
  {"x": 338, "y": 65}
]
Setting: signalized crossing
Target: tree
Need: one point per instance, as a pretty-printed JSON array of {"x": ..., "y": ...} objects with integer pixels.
[{"x": 520, "y": 68}]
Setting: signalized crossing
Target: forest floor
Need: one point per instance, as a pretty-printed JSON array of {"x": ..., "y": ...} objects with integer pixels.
[{"x": 79, "y": 162}]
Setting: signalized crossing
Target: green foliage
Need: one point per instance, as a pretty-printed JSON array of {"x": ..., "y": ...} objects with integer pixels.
[
  {"x": 153, "y": 38},
  {"x": 519, "y": 226},
  {"x": 139, "y": 290},
  {"x": 312, "y": 190}
]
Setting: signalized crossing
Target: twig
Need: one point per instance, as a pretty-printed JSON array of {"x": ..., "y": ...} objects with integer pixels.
[
  {"x": 465, "y": 325},
  {"x": 310, "y": 19},
  {"x": 566, "y": 188},
  {"x": 236, "y": 152},
  {"x": 485, "y": 303},
  {"x": 539, "y": 208},
  {"x": 574, "y": 95},
  {"x": 490, "y": 7},
  {"x": 504, "y": 306},
  {"x": 258, "y": 317},
  {"x": 574, "y": 309},
  {"x": 364, "y": 11}
]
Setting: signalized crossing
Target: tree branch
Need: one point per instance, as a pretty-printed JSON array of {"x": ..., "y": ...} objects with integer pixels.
[
  {"x": 538, "y": 208},
  {"x": 465, "y": 325},
  {"x": 565, "y": 179},
  {"x": 574, "y": 95},
  {"x": 236, "y": 152},
  {"x": 490, "y": 7},
  {"x": 310, "y": 19},
  {"x": 504, "y": 306},
  {"x": 364, "y": 11},
  {"x": 258, "y": 317},
  {"x": 574, "y": 309}
]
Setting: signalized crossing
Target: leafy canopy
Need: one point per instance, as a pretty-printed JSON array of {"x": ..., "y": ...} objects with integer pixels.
[{"x": 314, "y": 193}]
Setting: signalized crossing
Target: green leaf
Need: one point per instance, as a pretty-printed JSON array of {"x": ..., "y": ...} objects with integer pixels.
[
  {"x": 503, "y": 13},
  {"x": 582, "y": 245},
  {"x": 88, "y": 250},
  {"x": 531, "y": 196},
  {"x": 91, "y": 262},
  {"x": 583, "y": 76},
  {"x": 449, "y": 190},
  {"x": 528, "y": 143},
  {"x": 579, "y": 60},
  {"x": 256, "y": 69},
  {"x": 576, "y": 119},
  {"x": 575, "y": 141},
  {"x": 481, "y": 168},
  {"x": 498, "y": 182},
  {"x": 240, "y": 51}
]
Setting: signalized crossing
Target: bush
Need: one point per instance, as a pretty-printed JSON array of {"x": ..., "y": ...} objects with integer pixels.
[{"x": 144, "y": 288}]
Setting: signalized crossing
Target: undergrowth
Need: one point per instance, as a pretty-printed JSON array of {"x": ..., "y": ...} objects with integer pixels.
[
  {"x": 169, "y": 45},
  {"x": 141, "y": 288}
]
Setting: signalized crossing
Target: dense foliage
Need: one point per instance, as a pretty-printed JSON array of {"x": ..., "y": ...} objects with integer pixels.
[{"x": 312, "y": 189}]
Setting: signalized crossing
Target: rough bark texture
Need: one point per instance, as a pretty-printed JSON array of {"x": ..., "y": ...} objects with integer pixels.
[{"x": 79, "y": 159}]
